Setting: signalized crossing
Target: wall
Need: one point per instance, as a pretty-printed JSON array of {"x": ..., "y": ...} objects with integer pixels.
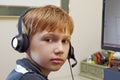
[{"x": 86, "y": 38}]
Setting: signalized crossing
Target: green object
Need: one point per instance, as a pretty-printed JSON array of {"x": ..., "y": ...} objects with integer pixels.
[
  {"x": 11, "y": 10},
  {"x": 92, "y": 71},
  {"x": 65, "y": 5}
]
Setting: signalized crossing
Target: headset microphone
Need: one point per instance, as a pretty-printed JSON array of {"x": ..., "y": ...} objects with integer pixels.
[
  {"x": 72, "y": 56},
  {"x": 74, "y": 64}
]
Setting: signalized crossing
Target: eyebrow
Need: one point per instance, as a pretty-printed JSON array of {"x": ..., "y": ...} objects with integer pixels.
[{"x": 53, "y": 34}]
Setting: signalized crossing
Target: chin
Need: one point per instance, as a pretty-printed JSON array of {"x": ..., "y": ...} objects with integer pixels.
[{"x": 55, "y": 68}]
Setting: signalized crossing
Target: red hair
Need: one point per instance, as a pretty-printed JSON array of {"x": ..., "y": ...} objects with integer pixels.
[{"x": 47, "y": 18}]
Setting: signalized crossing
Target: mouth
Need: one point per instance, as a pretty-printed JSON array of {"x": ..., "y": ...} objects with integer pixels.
[{"x": 57, "y": 61}]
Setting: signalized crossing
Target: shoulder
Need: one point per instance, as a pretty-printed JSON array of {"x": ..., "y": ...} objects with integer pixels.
[
  {"x": 14, "y": 75},
  {"x": 26, "y": 76},
  {"x": 32, "y": 76}
]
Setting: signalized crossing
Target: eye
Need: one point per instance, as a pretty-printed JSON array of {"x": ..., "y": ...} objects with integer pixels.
[
  {"x": 49, "y": 40},
  {"x": 65, "y": 41}
]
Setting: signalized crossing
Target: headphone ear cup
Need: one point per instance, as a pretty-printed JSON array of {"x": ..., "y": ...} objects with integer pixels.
[
  {"x": 71, "y": 52},
  {"x": 25, "y": 43},
  {"x": 20, "y": 43}
]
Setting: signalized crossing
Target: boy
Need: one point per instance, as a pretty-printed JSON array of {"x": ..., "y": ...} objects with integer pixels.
[{"x": 49, "y": 31}]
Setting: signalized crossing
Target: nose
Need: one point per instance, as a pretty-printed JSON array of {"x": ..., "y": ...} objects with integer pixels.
[{"x": 59, "y": 48}]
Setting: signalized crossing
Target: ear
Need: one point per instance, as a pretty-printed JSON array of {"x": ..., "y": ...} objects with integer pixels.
[{"x": 27, "y": 51}]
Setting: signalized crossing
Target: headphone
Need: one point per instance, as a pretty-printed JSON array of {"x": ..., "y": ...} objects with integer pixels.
[{"x": 21, "y": 43}]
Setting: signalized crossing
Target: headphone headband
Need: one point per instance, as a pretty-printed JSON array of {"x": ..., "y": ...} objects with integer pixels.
[{"x": 20, "y": 20}]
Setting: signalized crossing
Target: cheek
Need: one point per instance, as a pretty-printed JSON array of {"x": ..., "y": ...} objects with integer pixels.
[
  {"x": 43, "y": 51},
  {"x": 66, "y": 51},
  {"x": 40, "y": 56},
  {"x": 35, "y": 57}
]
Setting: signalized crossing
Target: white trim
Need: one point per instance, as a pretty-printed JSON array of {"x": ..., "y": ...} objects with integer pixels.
[{"x": 21, "y": 69}]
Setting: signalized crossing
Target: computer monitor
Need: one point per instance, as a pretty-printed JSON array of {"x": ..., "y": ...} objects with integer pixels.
[{"x": 111, "y": 25}]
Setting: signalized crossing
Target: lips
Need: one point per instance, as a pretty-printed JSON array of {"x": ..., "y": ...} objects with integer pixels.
[{"x": 57, "y": 60}]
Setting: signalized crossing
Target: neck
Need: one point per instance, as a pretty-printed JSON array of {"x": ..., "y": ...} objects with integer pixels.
[{"x": 43, "y": 70}]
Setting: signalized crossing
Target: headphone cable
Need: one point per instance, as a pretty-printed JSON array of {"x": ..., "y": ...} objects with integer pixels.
[{"x": 71, "y": 69}]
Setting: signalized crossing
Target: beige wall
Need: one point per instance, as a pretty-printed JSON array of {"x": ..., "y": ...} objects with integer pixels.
[
  {"x": 8, "y": 55},
  {"x": 86, "y": 39}
]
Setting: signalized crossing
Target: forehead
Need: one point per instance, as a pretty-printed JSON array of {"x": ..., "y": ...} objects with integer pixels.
[
  {"x": 61, "y": 31},
  {"x": 55, "y": 33},
  {"x": 61, "y": 28}
]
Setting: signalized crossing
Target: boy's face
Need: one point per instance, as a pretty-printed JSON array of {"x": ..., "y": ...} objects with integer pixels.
[{"x": 50, "y": 49}]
